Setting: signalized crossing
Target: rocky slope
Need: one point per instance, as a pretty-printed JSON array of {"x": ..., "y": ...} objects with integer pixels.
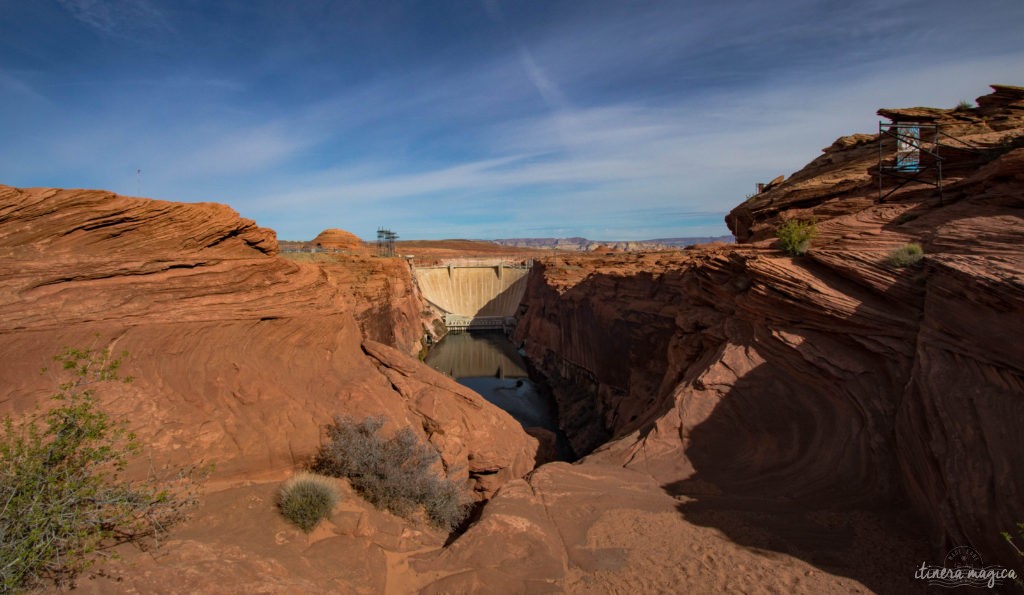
[
  {"x": 763, "y": 387},
  {"x": 239, "y": 357}
]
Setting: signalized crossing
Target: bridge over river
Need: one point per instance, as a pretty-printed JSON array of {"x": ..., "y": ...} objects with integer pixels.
[{"x": 472, "y": 294}]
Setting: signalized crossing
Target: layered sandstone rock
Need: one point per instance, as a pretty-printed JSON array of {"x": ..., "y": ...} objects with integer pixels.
[
  {"x": 596, "y": 528},
  {"x": 382, "y": 296},
  {"x": 565, "y": 528},
  {"x": 240, "y": 357},
  {"x": 744, "y": 378},
  {"x": 843, "y": 180},
  {"x": 337, "y": 239}
]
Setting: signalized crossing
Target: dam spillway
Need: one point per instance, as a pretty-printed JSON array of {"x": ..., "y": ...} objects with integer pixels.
[{"x": 474, "y": 295}]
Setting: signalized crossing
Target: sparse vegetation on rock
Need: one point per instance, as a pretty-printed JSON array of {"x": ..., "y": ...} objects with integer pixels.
[
  {"x": 1010, "y": 539},
  {"x": 306, "y": 499},
  {"x": 1017, "y": 543},
  {"x": 905, "y": 218},
  {"x": 795, "y": 236},
  {"x": 395, "y": 473},
  {"x": 61, "y": 497},
  {"x": 905, "y": 255}
]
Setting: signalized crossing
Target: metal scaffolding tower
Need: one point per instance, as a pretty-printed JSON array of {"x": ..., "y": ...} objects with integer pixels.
[
  {"x": 386, "y": 242},
  {"x": 917, "y": 158}
]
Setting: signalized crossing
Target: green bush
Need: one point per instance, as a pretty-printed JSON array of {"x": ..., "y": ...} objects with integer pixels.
[
  {"x": 795, "y": 236},
  {"x": 61, "y": 497},
  {"x": 394, "y": 473},
  {"x": 307, "y": 498},
  {"x": 906, "y": 255}
]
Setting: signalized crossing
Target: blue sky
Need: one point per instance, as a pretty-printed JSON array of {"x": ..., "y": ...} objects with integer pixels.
[{"x": 609, "y": 119}]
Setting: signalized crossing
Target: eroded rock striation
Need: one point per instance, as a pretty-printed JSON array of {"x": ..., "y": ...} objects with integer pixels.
[
  {"x": 239, "y": 356},
  {"x": 749, "y": 380},
  {"x": 337, "y": 239}
]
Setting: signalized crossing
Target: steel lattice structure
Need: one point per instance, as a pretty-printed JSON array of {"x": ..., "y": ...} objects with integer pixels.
[{"x": 386, "y": 242}]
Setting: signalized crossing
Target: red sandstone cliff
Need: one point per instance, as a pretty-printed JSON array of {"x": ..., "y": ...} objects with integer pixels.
[
  {"x": 380, "y": 293},
  {"x": 763, "y": 386},
  {"x": 239, "y": 356}
]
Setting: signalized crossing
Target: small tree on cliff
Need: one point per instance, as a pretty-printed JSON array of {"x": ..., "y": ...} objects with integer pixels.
[{"x": 61, "y": 497}]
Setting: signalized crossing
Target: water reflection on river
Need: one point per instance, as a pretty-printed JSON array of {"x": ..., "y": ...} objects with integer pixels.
[{"x": 489, "y": 364}]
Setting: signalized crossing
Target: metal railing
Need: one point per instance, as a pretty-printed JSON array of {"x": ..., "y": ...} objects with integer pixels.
[
  {"x": 457, "y": 322},
  {"x": 470, "y": 263}
]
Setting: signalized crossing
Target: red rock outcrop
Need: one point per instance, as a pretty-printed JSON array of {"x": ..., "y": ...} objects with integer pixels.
[
  {"x": 381, "y": 294},
  {"x": 596, "y": 528},
  {"x": 239, "y": 356},
  {"x": 744, "y": 378},
  {"x": 565, "y": 528},
  {"x": 338, "y": 239},
  {"x": 844, "y": 179}
]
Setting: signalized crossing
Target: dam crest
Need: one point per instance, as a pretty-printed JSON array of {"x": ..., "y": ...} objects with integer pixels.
[{"x": 474, "y": 293}]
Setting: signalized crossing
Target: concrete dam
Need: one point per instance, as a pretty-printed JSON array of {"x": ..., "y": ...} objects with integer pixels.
[{"x": 474, "y": 295}]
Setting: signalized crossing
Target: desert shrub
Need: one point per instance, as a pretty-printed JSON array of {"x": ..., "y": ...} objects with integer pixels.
[
  {"x": 393, "y": 473},
  {"x": 795, "y": 236},
  {"x": 307, "y": 498},
  {"x": 964, "y": 105},
  {"x": 905, "y": 255},
  {"x": 61, "y": 497}
]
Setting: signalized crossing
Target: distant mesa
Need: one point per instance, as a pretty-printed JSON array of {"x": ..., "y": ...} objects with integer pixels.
[
  {"x": 337, "y": 239},
  {"x": 584, "y": 245}
]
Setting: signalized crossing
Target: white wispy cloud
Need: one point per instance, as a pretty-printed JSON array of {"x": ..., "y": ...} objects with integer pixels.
[
  {"x": 14, "y": 86},
  {"x": 119, "y": 18},
  {"x": 239, "y": 150},
  {"x": 623, "y": 120},
  {"x": 546, "y": 88},
  {"x": 623, "y": 162}
]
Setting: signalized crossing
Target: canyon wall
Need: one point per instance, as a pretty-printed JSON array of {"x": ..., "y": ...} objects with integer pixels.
[
  {"x": 828, "y": 381},
  {"x": 382, "y": 296},
  {"x": 240, "y": 357}
]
